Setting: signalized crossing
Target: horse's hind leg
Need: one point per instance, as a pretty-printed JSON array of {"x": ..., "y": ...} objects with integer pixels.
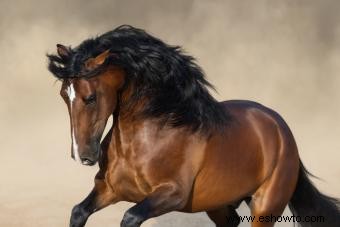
[
  {"x": 224, "y": 217},
  {"x": 271, "y": 198}
]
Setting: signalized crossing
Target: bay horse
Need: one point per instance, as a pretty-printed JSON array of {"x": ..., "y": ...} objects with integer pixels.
[{"x": 172, "y": 146}]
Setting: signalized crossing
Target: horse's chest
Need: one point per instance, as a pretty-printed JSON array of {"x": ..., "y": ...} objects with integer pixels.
[{"x": 128, "y": 183}]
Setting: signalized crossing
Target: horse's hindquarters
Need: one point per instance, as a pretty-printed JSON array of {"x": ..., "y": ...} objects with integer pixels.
[{"x": 238, "y": 162}]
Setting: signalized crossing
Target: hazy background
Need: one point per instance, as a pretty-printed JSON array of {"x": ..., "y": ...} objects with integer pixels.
[{"x": 284, "y": 54}]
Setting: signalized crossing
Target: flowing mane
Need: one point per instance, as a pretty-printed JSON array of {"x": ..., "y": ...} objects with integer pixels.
[{"x": 174, "y": 85}]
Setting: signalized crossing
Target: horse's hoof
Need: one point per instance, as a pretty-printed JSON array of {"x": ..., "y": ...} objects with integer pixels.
[
  {"x": 78, "y": 217},
  {"x": 130, "y": 220}
]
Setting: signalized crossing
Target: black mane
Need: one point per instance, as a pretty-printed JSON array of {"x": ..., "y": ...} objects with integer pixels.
[{"x": 172, "y": 82}]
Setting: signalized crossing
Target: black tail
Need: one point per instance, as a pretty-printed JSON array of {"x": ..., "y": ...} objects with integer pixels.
[{"x": 311, "y": 206}]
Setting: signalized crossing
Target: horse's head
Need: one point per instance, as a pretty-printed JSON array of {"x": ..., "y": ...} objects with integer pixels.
[{"x": 90, "y": 101}]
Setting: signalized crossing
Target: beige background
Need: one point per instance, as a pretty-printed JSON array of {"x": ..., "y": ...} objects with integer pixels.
[{"x": 284, "y": 54}]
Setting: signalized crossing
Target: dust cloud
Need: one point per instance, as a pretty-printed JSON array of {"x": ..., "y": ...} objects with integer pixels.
[{"x": 284, "y": 54}]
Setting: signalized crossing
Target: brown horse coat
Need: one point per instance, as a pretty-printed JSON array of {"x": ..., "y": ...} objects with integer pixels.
[{"x": 172, "y": 146}]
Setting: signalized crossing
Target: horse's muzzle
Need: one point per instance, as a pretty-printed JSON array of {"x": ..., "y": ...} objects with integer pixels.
[
  {"x": 88, "y": 162},
  {"x": 91, "y": 155}
]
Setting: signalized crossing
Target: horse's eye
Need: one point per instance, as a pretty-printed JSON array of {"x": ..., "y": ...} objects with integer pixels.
[{"x": 90, "y": 99}]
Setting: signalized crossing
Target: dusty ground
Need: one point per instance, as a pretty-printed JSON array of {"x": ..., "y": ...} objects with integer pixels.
[{"x": 284, "y": 54}]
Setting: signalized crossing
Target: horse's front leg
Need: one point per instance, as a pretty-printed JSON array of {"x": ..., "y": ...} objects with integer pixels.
[
  {"x": 100, "y": 197},
  {"x": 166, "y": 198}
]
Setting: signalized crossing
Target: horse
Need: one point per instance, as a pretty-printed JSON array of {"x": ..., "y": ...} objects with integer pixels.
[{"x": 172, "y": 146}]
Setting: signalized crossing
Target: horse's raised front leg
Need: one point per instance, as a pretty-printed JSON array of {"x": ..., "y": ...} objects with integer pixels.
[
  {"x": 100, "y": 197},
  {"x": 166, "y": 198}
]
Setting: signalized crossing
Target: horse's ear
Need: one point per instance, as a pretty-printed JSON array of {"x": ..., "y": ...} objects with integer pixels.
[
  {"x": 93, "y": 63},
  {"x": 100, "y": 59},
  {"x": 63, "y": 51}
]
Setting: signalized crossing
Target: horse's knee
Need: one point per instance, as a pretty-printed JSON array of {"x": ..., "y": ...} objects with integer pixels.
[
  {"x": 164, "y": 199},
  {"x": 78, "y": 217}
]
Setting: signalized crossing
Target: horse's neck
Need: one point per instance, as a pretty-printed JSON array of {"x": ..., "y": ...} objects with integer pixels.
[
  {"x": 126, "y": 122},
  {"x": 129, "y": 128},
  {"x": 120, "y": 132}
]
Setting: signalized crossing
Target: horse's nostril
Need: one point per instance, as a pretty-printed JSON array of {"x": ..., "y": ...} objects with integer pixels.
[{"x": 88, "y": 162}]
